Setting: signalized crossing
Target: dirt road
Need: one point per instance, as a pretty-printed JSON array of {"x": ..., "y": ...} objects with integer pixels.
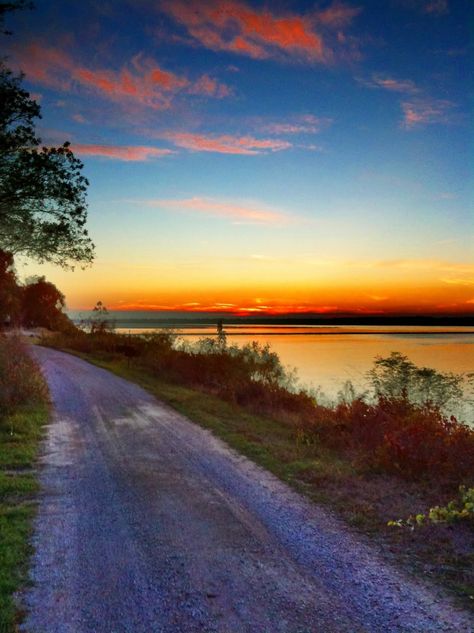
[{"x": 149, "y": 524}]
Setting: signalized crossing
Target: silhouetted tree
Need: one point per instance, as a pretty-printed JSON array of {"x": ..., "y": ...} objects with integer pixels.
[
  {"x": 42, "y": 304},
  {"x": 100, "y": 321},
  {"x": 43, "y": 208},
  {"x": 10, "y": 292}
]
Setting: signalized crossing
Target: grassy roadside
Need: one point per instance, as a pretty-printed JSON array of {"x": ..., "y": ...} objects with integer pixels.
[
  {"x": 364, "y": 499},
  {"x": 23, "y": 412}
]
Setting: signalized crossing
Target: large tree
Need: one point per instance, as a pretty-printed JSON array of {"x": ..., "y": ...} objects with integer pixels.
[{"x": 43, "y": 207}]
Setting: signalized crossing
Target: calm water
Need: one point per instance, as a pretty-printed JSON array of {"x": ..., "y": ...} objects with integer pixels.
[{"x": 325, "y": 357}]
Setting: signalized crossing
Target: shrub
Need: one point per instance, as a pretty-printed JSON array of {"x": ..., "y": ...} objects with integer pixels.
[{"x": 21, "y": 382}]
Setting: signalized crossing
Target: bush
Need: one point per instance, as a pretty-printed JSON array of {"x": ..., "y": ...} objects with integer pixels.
[
  {"x": 394, "y": 435},
  {"x": 21, "y": 382}
]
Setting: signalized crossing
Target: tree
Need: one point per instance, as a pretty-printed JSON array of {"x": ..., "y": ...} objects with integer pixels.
[
  {"x": 100, "y": 321},
  {"x": 42, "y": 304},
  {"x": 10, "y": 292},
  {"x": 43, "y": 209}
]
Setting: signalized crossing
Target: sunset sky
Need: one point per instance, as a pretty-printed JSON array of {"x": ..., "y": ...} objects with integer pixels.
[{"x": 251, "y": 156}]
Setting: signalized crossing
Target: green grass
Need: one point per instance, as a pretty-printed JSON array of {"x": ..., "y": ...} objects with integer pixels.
[{"x": 19, "y": 440}]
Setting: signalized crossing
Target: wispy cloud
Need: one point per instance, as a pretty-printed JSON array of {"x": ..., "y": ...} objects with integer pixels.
[
  {"x": 240, "y": 213},
  {"x": 458, "y": 281},
  {"x": 239, "y": 28},
  {"x": 134, "y": 153},
  {"x": 418, "y": 112},
  {"x": 225, "y": 143},
  {"x": 385, "y": 82},
  {"x": 420, "y": 109},
  {"x": 141, "y": 80},
  {"x": 303, "y": 124}
]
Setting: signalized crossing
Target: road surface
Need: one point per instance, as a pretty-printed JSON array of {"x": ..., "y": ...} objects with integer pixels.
[{"x": 148, "y": 524}]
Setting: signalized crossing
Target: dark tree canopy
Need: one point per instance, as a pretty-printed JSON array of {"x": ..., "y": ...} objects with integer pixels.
[
  {"x": 43, "y": 207},
  {"x": 42, "y": 304},
  {"x": 10, "y": 293}
]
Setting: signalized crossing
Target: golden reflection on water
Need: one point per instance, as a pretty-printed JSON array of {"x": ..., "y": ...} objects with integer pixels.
[{"x": 327, "y": 356}]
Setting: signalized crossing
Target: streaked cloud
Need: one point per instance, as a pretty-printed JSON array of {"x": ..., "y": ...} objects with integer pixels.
[
  {"x": 237, "y": 212},
  {"x": 419, "y": 112},
  {"x": 141, "y": 81},
  {"x": 225, "y": 143},
  {"x": 458, "y": 281},
  {"x": 239, "y": 28},
  {"x": 303, "y": 124},
  {"x": 385, "y": 82},
  {"x": 133, "y": 153}
]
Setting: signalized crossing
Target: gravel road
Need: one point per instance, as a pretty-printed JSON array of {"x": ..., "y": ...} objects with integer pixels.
[{"x": 147, "y": 524}]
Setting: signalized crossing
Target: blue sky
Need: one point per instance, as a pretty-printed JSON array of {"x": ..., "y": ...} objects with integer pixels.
[{"x": 291, "y": 155}]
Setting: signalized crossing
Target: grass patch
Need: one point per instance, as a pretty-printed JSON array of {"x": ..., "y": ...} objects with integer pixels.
[
  {"x": 365, "y": 499},
  {"x": 23, "y": 412},
  {"x": 18, "y": 488}
]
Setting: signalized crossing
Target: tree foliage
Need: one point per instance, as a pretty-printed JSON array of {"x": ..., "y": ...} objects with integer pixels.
[
  {"x": 43, "y": 207},
  {"x": 10, "y": 293},
  {"x": 397, "y": 377},
  {"x": 42, "y": 305}
]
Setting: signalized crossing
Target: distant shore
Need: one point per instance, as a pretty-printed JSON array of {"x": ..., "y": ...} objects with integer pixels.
[{"x": 149, "y": 319}]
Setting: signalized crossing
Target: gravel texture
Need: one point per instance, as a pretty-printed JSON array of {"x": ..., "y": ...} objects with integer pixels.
[{"x": 148, "y": 523}]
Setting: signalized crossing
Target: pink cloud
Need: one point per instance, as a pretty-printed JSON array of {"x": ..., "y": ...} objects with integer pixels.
[
  {"x": 141, "y": 81},
  {"x": 240, "y": 213},
  {"x": 226, "y": 143},
  {"x": 132, "y": 153},
  {"x": 394, "y": 85},
  {"x": 427, "y": 111},
  {"x": 234, "y": 26}
]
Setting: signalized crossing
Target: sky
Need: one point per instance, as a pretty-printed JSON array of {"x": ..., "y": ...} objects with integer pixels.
[{"x": 262, "y": 156}]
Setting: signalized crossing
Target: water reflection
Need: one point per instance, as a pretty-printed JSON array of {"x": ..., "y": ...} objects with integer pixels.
[{"x": 325, "y": 357}]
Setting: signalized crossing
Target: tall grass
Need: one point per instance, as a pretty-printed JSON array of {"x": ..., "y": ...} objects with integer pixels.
[{"x": 21, "y": 383}]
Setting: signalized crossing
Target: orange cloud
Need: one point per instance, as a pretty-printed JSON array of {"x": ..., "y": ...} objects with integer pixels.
[
  {"x": 236, "y": 27},
  {"x": 223, "y": 209},
  {"x": 141, "y": 81},
  {"x": 427, "y": 111},
  {"x": 226, "y": 143},
  {"x": 125, "y": 153}
]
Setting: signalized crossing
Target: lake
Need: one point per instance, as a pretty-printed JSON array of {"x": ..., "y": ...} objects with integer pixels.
[{"x": 325, "y": 357}]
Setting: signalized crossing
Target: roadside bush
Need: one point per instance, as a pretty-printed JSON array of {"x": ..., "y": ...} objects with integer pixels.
[
  {"x": 21, "y": 382},
  {"x": 394, "y": 435}
]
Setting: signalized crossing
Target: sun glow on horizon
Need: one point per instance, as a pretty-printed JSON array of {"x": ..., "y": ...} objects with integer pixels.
[{"x": 259, "y": 159}]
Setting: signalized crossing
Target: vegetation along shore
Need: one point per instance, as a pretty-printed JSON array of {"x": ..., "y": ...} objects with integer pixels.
[{"x": 392, "y": 463}]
